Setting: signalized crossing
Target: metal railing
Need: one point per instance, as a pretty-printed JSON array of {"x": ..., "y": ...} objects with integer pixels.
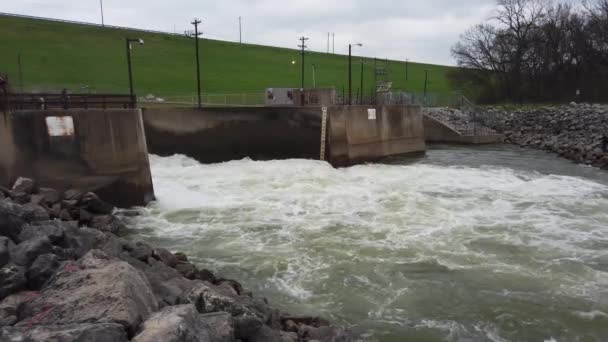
[{"x": 25, "y": 101}]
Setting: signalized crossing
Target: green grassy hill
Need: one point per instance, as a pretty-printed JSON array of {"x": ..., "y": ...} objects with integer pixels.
[{"x": 55, "y": 55}]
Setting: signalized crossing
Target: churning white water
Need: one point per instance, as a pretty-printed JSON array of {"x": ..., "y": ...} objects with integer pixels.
[{"x": 492, "y": 244}]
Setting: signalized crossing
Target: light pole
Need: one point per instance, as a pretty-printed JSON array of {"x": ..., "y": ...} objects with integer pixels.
[
  {"x": 350, "y": 72},
  {"x": 129, "y": 41},
  {"x": 195, "y": 22}
]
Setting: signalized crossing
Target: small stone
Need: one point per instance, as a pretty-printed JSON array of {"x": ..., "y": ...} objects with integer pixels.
[
  {"x": 12, "y": 280},
  {"x": 95, "y": 205},
  {"x": 50, "y": 196}
]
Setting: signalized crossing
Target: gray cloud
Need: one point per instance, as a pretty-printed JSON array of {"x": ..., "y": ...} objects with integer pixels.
[{"x": 422, "y": 31}]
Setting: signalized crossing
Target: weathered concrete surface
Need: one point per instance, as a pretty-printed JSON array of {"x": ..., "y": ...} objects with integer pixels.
[
  {"x": 106, "y": 153},
  {"x": 436, "y": 131},
  {"x": 355, "y": 136},
  {"x": 221, "y": 133}
]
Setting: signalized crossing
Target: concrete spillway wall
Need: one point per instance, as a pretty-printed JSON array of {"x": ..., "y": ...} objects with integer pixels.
[
  {"x": 221, "y": 134},
  {"x": 97, "y": 150}
]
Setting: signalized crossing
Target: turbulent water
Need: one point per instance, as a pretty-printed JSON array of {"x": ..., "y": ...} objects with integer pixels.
[{"x": 484, "y": 244}]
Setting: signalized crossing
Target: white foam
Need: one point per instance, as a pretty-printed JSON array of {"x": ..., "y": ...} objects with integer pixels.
[{"x": 301, "y": 226}]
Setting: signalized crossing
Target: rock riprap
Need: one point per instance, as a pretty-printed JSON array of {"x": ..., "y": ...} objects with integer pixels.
[{"x": 67, "y": 275}]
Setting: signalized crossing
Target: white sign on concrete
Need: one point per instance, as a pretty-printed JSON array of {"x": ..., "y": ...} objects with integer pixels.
[
  {"x": 60, "y": 126},
  {"x": 371, "y": 114}
]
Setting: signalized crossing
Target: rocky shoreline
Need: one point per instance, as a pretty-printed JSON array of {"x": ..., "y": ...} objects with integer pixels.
[
  {"x": 576, "y": 131},
  {"x": 67, "y": 275}
]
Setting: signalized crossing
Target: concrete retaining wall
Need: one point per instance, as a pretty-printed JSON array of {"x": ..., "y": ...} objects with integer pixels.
[
  {"x": 105, "y": 152},
  {"x": 437, "y": 132},
  {"x": 357, "y": 135},
  {"x": 225, "y": 133},
  {"x": 222, "y": 134}
]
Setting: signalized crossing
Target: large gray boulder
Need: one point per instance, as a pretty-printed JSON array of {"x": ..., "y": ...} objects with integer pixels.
[
  {"x": 12, "y": 218},
  {"x": 27, "y": 251},
  {"x": 221, "y": 326},
  {"x": 94, "y": 289},
  {"x": 41, "y": 270},
  {"x": 180, "y": 323},
  {"x": 54, "y": 230},
  {"x": 86, "y": 332}
]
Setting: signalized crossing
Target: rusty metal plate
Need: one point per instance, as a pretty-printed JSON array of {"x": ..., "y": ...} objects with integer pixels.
[{"x": 60, "y": 126}]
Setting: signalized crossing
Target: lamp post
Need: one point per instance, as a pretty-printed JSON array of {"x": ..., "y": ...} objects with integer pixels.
[
  {"x": 350, "y": 72},
  {"x": 129, "y": 41}
]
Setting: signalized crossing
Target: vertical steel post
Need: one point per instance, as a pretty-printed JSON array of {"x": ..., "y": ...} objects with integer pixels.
[
  {"x": 303, "y": 46},
  {"x": 240, "y": 32}
]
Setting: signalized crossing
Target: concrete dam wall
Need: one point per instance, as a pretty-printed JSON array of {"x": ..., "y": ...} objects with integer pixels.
[
  {"x": 354, "y": 133},
  {"x": 95, "y": 150}
]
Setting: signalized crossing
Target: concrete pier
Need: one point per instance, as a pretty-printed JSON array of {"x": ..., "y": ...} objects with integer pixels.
[{"x": 97, "y": 150}]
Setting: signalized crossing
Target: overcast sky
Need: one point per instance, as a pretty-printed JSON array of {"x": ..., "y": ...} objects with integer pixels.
[{"x": 421, "y": 31}]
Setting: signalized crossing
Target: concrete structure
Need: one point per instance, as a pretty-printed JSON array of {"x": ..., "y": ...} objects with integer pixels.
[
  {"x": 364, "y": 133},
  {"x": 299, "y": 97},
  {"x": 98, "y": 150},
  {"x": 221, "y": 134},
  {"x": 436, "y": 131}
]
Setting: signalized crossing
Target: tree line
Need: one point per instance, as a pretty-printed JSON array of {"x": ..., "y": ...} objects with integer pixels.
[{"x": 536, "y": 51}]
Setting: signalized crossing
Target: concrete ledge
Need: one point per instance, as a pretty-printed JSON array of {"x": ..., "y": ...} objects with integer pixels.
[{"x": 96, "y": 150}]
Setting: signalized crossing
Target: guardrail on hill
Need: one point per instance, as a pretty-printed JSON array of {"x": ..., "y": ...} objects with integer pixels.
[{"x": 2, "y": 14}]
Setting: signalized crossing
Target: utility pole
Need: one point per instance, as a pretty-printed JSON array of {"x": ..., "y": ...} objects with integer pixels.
[
  {"x": 20, "y": 72},
  {"x": 328, "y": 42},
  {"x": 303, "y": 46},
  {"x": 314, "y": 77},
  {"x": 333, "y": 43},
  {"x": 240, "y": 31},
  {"x": 101, "y": 5},
  {"x": 350, "y": 72},
  {"x": 406, "y": 63},
  {"x": 195, "y": 22}
]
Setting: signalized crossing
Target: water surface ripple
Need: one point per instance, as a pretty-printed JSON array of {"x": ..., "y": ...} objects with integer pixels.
[{"x": 466, "y": 244}]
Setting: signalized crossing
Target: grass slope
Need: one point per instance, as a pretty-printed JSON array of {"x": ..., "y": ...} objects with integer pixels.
[{"x": 56, "y": 55}]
